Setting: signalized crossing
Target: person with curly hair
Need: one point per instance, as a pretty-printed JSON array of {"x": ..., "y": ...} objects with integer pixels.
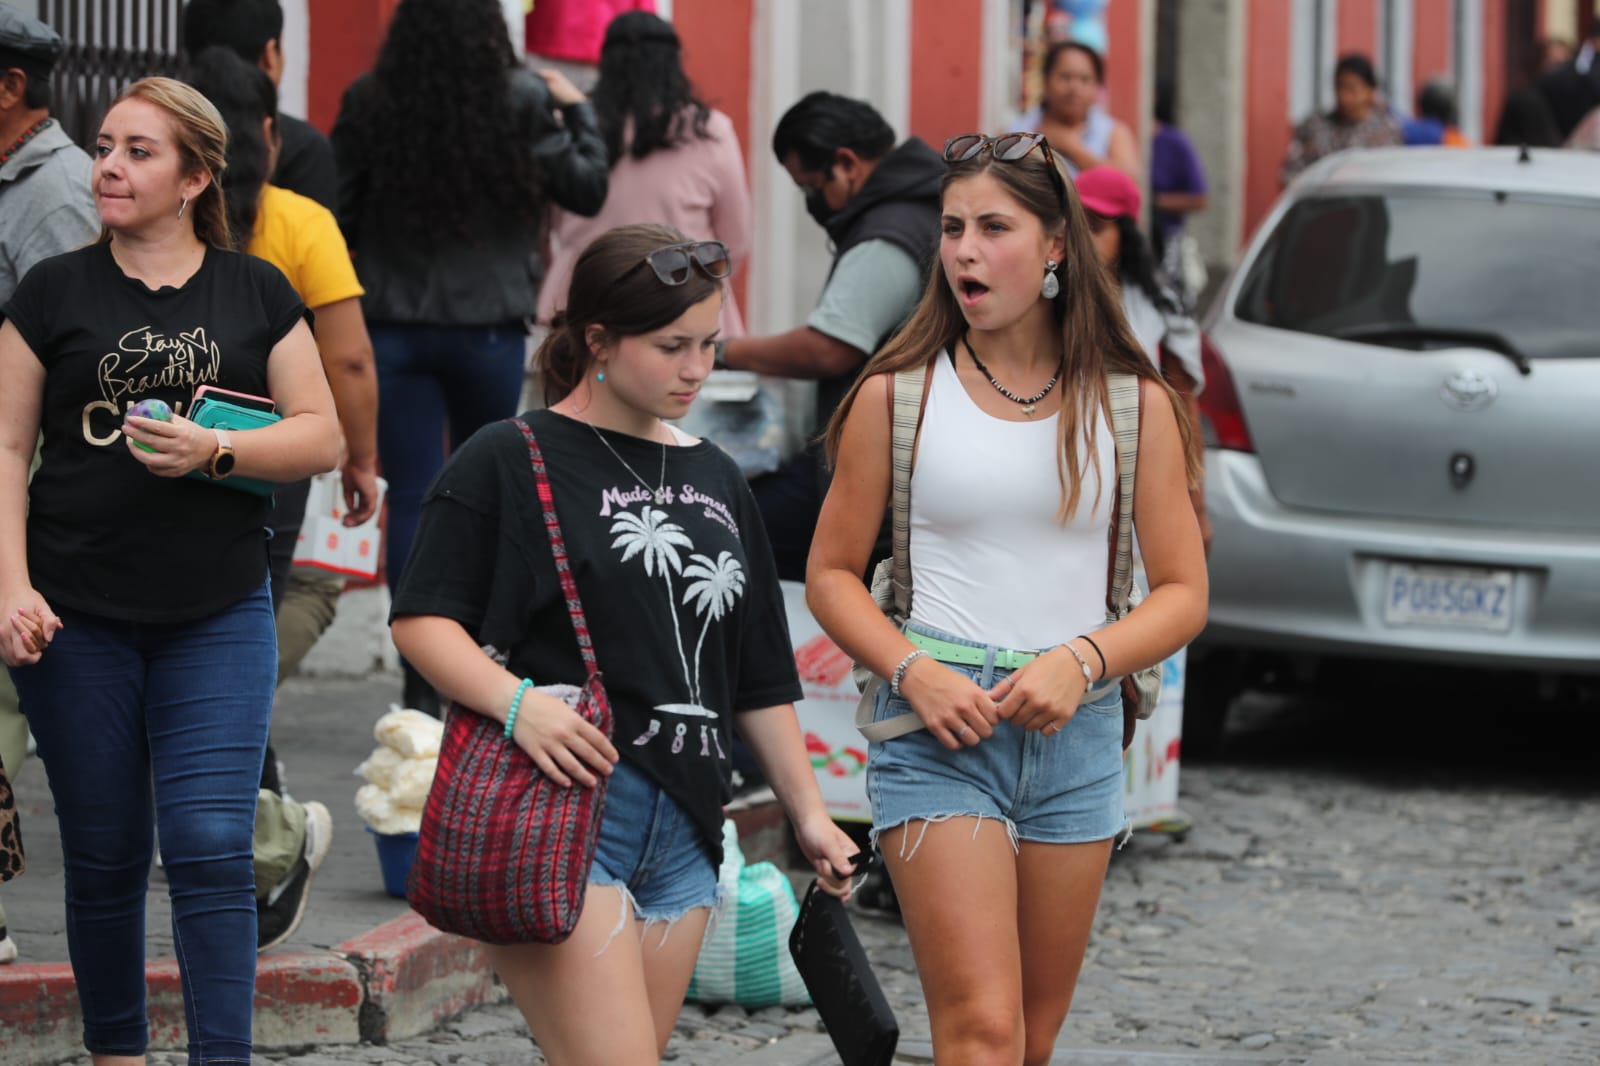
[
  {"x": 448, "y": 153},
  {"x": 674, "y": 160}
]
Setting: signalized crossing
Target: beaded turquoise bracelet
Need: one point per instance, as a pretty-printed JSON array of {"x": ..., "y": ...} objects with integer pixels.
[{"x": 516, "y": 703}]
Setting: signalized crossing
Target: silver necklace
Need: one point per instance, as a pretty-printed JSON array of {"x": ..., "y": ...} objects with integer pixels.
[{"x": 661, "y": 486}]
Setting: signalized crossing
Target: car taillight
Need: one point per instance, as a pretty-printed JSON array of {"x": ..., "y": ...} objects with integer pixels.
[{"x": 1221, "y": 416}]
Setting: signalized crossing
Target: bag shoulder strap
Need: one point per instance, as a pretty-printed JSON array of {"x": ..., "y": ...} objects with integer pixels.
[
  {"x": 908, "y": 393},
  {"x": 1127, "y": 404},
  {"x": 558, "y": 548}
]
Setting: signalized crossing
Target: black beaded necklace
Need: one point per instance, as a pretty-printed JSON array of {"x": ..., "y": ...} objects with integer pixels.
[
  {"x": 27, "y": 135},
  {"x": 1029, "y": 403}
]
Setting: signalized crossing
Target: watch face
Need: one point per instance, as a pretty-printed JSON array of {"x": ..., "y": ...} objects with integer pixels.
[{"x": 222, "y": 465}]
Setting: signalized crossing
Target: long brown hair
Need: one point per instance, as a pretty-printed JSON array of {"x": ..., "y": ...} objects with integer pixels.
[
  {"x": 202, "y": 138},
  {"x": 613, "y": 288},
  {"x": 1095, "y": 337}
]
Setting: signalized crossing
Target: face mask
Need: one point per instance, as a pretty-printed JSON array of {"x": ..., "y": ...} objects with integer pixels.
[{"x": 817, "y": 207}]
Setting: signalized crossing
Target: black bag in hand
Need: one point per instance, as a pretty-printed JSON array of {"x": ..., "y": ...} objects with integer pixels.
[{"x": 834, "y": 966}]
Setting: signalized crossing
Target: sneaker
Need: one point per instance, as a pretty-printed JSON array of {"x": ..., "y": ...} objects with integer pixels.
[
  {"x": 279, "y": 915},
  {"x": 8, "y": 947}
]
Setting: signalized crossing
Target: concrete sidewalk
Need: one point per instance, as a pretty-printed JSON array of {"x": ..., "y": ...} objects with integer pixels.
[{"x": 361, "y": 966}]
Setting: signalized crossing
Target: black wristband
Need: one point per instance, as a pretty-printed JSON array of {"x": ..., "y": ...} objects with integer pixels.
[{"x": 1103, "y": 669}]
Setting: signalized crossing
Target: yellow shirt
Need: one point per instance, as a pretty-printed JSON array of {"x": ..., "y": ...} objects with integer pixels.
[{"x": 300, "y": 237}]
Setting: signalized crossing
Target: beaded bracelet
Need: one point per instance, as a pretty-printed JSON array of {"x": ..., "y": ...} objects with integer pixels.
[
  {"x": 900, "y": 671},
  {"x": 516, "y": 704},
  {"x": 1088, "y": 673}
]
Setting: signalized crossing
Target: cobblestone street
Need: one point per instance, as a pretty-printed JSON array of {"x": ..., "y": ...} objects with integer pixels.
[{"x": 1390, "y": 885}]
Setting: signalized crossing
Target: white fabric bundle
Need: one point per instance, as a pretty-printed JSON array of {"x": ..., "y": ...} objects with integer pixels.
[{"x": 399, "y": 771}]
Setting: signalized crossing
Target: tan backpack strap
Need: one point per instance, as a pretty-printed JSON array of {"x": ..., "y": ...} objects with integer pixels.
[
  {"x": 1127, "y": 403},
  {"x": 909, "y": 389}
]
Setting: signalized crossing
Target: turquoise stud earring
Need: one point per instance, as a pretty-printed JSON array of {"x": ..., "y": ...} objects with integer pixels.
[{"x": 600, "y": 376}]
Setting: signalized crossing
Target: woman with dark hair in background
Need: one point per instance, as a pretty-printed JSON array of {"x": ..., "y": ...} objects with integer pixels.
[
  {"x": 1359, "y": 119},
  {"x": 1168, "y": 334},
  {"x": 681, "y": 598},
  {"x": 674, "y": 160},
  {"x": 1081, "y": 131},
  {"x": 448, "y": 152}
]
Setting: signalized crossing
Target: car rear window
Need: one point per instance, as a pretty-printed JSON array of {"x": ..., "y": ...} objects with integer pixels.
[{"x": 1419, "y": 270}]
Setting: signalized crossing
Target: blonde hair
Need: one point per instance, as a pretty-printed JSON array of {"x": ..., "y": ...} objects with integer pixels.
[
  {"x": 202, "y": 138},
  {"x": 1095, "y": 336}
]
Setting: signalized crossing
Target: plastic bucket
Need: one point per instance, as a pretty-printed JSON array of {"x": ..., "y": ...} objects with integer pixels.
[{"x": 395, "y": 853}]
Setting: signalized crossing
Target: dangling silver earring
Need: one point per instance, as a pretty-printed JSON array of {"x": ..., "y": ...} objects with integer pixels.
[
  {"x": 182, "y": 206},
  {"x": 1051, "y": 287}
]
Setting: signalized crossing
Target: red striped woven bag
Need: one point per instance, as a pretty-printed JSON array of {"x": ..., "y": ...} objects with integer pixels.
[{"x": 504, "y": 852}]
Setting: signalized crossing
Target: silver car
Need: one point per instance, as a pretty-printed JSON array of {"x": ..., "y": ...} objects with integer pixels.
[{"x": 1402, "y": 417}]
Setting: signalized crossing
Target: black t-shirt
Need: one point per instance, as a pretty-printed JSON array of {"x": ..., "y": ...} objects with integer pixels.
[
  {"x": 682, "y": 599},
  {"x": 105, "y": 535},
  {"x": 305, "y": 163}
]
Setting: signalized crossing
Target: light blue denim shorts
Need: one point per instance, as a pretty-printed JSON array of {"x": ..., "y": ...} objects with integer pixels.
[
  {"x": 652, "y": 850},
  {"x": 1065, "y": 788}
]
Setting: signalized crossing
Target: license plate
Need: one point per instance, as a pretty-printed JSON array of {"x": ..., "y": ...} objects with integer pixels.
[{"x": 1453, "y": 597}]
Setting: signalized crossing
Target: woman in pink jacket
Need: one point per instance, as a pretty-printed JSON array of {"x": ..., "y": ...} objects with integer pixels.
[{"x": 674, "y": 160}]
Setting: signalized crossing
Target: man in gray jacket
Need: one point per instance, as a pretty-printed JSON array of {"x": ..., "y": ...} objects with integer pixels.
[{"x": 46, "y": 207}]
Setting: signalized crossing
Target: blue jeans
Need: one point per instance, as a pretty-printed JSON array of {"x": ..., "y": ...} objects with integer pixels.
[
  {"x": 1065, "y": 788},
  {"x": 651, "y": 850},
  {"x": 434, "y": 381},
  {"x": 114, "y": 707}
]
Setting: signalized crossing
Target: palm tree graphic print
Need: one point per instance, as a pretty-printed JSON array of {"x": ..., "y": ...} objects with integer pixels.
[{"x": 714, "y": 587}]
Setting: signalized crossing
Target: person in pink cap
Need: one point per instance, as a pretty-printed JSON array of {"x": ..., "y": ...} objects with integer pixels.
[{"x": 1166, "y": 332}]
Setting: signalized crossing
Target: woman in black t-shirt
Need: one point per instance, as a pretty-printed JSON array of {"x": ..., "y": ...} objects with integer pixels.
[
  {"x": 133, "y": 578},
  {"x": 682, "y": 600}
]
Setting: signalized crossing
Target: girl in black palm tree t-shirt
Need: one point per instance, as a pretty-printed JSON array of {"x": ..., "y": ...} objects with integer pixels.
[{"x": 681, "y": 594}]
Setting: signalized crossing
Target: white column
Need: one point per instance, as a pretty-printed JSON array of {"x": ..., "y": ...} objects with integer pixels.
[
  {"x": 296, "y": 43},
  {"x": 514, "y": 14},
  {"x": 896, "y": 74},
  {"x": 1399, "y": 37},
  {"x": 1468, "y": 64},
  {"x": 1002, "y": 65},
  {"x": 1327, "y": 30},
  {"x": 772, "y": 300},
  {"x": 1302, "y": 59}
]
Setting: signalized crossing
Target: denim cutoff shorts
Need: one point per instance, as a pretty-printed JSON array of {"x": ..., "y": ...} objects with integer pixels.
[
  {"x": 652, "y": 850},
  {"x": 1065, "y": 788}
]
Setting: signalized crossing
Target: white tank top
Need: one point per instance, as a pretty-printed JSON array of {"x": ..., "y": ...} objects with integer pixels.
[{"x": 989, "y": 559}]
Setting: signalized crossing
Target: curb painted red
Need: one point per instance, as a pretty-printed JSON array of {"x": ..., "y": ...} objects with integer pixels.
[
  {"x": 302, "y": 997},
  {"x": 400, "y": 980},
  {"x": 416, "y": 977}
]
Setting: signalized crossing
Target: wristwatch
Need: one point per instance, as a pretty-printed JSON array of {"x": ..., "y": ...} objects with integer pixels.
[
  {"x": 719, "y": 359},
  {"x": 221, "y": 464}
]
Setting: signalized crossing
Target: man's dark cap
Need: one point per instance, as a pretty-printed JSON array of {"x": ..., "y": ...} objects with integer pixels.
[{"x": 26, "y": 42}]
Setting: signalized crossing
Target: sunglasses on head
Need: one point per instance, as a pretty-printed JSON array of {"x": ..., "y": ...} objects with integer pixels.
[
  {"x": 673, "y": 263},
  {"x": 1007, "y": 148}
]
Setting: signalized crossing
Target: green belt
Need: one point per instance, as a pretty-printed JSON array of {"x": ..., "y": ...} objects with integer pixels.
[{"x": 967, "y": 655}]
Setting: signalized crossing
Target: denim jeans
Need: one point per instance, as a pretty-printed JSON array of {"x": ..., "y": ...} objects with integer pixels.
[
  {"x": 116, "y": 706},
  {"x": 435, "y": 383}
]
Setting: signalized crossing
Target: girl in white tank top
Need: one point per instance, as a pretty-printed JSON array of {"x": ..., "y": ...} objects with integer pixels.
[{"x": 995, "y": 818}]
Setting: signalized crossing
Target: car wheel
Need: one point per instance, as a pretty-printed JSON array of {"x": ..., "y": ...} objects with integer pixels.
[{"x": 1209, "y": 690}]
